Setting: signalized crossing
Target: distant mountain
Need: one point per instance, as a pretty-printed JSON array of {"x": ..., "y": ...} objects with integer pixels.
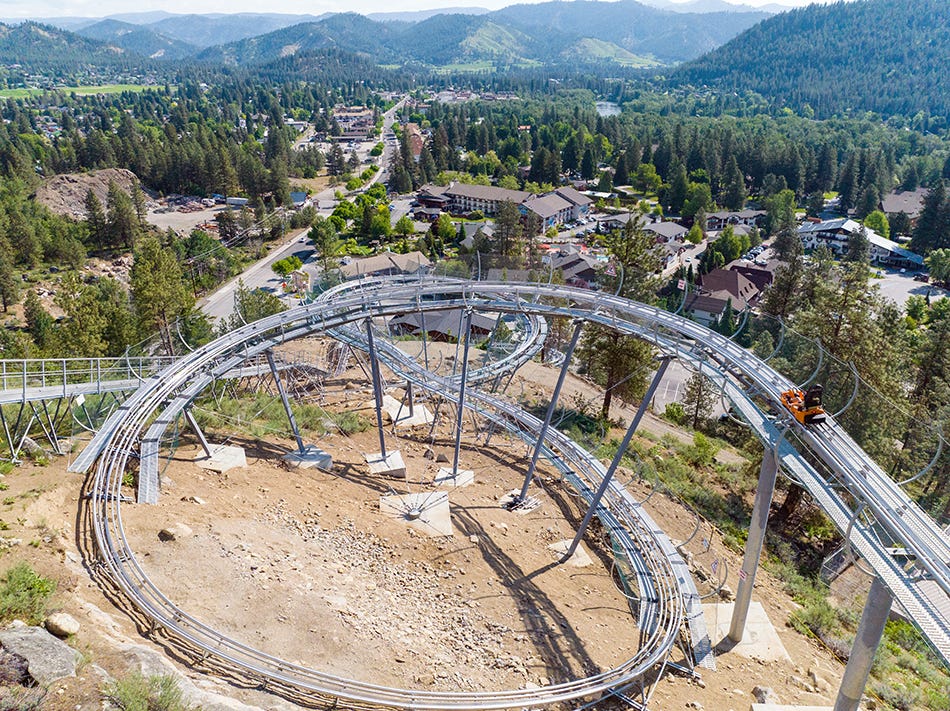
[
  {"x": 349, "y": 31},
  {"x": 704, "y": 6},
  {"x": 215, "y": 29},
  {"x": 624, "y": 31},
  {"x": 887, "y": 56},
  {"x": 138, "y": 39},
  {"x": 669, "y": 37},
  {"x": 420, "y": 15},
  {"x": 44, "y": 47}
]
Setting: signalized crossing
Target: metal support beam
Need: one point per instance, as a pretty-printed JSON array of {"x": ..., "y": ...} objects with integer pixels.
[
  {"x": 876, "y": 611},
  {"x": 410, "y": 397},
  {"x": 193, "y": 424},
  {"x": 283, "y": 398},
  {"x": 753, "y": 544},
  {"x": 539, "y": 445},
  {"x": 634, "y": 423},
  {"x": 377, "y": 386},
  {"x": 466, "y": 332}
]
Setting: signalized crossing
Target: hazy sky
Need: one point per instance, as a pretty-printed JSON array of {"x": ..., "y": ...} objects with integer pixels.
[{"x": 100, "y": 8}]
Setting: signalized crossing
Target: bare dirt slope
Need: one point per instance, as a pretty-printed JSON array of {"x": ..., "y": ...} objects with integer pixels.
[
  {"x": 66, "y": 194},
  {"x": 302, "y": 564}
]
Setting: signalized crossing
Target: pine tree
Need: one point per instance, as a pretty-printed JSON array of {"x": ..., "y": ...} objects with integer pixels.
[
  {"x": 699, "y": 396},
  {"x": 9, "y": 283},
  {"x": 159, "y": 294},
  {"x": 96, "y": 220},
  {"x": 933, "y": 222},
  {"x": 735, "y": 193},
  {"x": 859, "y": 246}
]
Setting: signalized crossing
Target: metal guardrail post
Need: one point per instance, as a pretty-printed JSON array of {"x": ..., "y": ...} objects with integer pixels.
[
  {"x": 283, "y": 398},
  {"x": 190, "y": 419},
  {"x": 866, "y": 641},
  {"x": 467, "y": 333},
  {"x": 753, "y": 545},
  {"x": 634, "y": 423},
  {"x": 377, "y": 386},
  {"x": 539, "y": 445}
]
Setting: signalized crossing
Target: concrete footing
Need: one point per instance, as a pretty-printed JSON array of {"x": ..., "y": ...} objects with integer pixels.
[
  {"x": 390, "y": 465},
  {"x": 759, "y": 641},
  {"x": 579, "y": 559},
  {"x": 463, "y": 477},
  {"x": 223, "y": 457},
  {"x": 427, "y": 512},
  {"x": 400, "y": 414},
  {"x": 312, "y": 457}
]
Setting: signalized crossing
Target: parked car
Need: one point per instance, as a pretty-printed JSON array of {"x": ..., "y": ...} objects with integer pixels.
[{"x": 922, "y": 277}]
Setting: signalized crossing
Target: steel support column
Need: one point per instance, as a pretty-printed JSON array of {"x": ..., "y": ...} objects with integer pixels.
[
  {"x": 377, "y": 386},
  {"x": 539, "y": 445},
  {"x": 876, "y": 611},
  {"x": 283, "y": 398},
  {"x": 753, "y": 544},
  {"x": 193, "y": 424},
  {"x": 634, "y": 423},
  {"x": 466, "y": 331}
]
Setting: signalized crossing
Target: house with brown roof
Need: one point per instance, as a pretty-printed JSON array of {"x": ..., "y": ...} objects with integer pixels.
[
  {"x": 705, "y": 309},
  {"x": 728, "y": 284},
  {"x": 761, "y": 277},
  {"x": 910, "y": 202}
]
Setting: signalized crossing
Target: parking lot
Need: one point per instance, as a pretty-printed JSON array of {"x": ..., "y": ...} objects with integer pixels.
[{"x": 898, "y": 287}]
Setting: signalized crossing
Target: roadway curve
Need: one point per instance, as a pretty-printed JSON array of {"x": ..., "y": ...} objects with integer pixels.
[{"x": 710, "y": 352}]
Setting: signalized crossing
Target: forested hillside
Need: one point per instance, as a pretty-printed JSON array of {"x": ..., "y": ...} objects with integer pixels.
[
  {"x": 887, "y": 56},
  {"x": 46, "y": 48},
  {"x": 137, "y": 39}
]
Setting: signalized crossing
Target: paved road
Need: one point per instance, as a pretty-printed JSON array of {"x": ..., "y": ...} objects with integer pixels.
[
  {"x": 259, "y": 275},
  {"x": 220, "y": 303}
]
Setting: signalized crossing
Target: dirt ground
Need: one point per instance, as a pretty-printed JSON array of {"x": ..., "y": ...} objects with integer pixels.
[{"x": 302, "y": 564}]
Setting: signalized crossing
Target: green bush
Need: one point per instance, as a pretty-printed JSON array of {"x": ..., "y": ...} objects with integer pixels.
[
  {"x": 136, "y": 692},
  {"x": 24, "y": 595},
  {"x": 818, "y": 617},
  {"x": 675, "y": 413}
]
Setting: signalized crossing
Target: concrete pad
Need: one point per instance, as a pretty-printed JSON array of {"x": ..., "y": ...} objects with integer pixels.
[
  {"x": 760, "y": 640},
  {"x": 223, "y": 457},
  {"x": 312, "y": 457},
  {"x": 392, "y": 465},
  {"x": 463, "y": 477},
  {"x": 580, "y": 559},
  {"x": 788, "y": 707},
  {"x": 399, "y": 413},
  {"x": 427, "y": 512}
]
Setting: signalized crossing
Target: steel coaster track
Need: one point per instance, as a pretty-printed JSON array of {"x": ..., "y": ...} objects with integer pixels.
[
  {"x": 119, "y": 560},
  {"x": 113, "y": 445}
]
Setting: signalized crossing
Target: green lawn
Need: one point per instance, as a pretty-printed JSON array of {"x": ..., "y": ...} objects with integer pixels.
[{"x": 80, "y": 90}]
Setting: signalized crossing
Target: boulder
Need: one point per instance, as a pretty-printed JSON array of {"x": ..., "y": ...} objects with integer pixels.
[
  {"x": 61, "y": 624},
  {"x": 765, "y": 695},
  {"x": 47, "y": 657},
  {"x": 175, "y": 532}
]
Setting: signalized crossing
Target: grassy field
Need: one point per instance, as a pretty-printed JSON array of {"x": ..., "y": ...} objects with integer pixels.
[{"x": 80, "y": 90}]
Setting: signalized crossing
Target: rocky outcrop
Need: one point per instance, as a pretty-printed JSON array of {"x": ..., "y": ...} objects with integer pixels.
[{"x": 47, "y": 658}]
